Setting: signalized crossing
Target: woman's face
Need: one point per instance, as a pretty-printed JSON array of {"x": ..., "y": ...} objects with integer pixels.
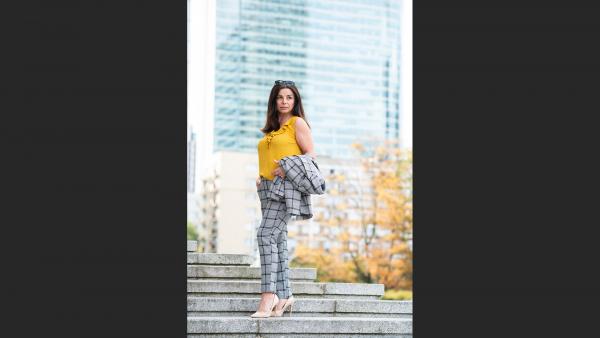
[{"x": 285, "y": 101}]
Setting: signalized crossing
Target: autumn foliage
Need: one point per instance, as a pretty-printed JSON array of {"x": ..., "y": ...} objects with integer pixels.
[{"x": 369, "y": 220}]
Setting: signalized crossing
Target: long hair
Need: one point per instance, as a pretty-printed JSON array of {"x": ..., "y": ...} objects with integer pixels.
[{"x": 272, "y": 122}]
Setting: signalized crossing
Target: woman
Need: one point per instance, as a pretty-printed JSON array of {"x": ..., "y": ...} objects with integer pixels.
[{"x": 286, "y": 133}]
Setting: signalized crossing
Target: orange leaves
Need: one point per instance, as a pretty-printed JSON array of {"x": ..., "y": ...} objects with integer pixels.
[{"x": 367, "y": 219}]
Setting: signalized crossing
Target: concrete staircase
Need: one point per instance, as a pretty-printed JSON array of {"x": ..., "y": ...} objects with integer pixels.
[{"x": 224, "y": 290}]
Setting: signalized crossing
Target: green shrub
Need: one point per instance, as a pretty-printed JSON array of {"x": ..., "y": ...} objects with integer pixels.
[{"x": 192, "y": 234}]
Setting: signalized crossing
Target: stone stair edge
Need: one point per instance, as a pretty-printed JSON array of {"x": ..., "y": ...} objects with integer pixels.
[
  {"x": 199, "y": 265},
  {"x": 305, "y": 325},
  {"x": 258, "y": 297},
  {"x": 207, "y": 287},
  {"x": 299, "y": 335},
  {"x": 242, "y": 304},
  {"x": 325, "y": 283}
]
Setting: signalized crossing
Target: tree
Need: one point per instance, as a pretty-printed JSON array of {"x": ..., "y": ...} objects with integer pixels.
[{"x": 369, "y": 216}]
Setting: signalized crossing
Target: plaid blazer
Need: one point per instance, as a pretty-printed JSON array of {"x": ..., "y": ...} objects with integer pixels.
[{"x": 302, "y": 178}]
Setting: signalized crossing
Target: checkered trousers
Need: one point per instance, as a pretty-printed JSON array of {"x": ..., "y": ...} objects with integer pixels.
[{"x": 272, "y": 244}]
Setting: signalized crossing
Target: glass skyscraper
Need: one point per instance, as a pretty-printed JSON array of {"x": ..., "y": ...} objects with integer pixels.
[{"x": 343, "y": 55}]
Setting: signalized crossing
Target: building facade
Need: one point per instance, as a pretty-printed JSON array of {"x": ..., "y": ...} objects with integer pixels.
[
  {"x": 345, "y": 59},
  {"x": 343, "y": 56}
]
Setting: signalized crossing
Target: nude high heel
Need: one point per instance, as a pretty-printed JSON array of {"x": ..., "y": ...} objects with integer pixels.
[
  {"x": 266, "y": 314},
  {"x": 288, "y": 303}
]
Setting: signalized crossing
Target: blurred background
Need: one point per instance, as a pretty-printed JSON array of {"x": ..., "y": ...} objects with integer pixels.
[{"x": 352, "y": 63}]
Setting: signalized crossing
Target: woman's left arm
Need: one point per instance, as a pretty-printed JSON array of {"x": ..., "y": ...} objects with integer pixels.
[{"x": 304, "y": 137}]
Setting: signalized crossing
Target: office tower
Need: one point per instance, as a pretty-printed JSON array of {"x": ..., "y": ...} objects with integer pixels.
[
  {"x": 191, "y": 161},
  {"x": 193, "y": 207},
  {"x": 343, "y": 56}
]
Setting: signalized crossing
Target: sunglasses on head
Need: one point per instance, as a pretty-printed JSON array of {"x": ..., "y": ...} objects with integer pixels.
[{"x": 285, "y": 83}]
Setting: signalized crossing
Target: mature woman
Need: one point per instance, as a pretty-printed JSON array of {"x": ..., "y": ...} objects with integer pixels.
[{"x": 286, "y": 133}]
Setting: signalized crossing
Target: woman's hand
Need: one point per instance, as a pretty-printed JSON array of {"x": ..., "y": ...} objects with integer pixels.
[
  {"x": 258, "y": 182},
  {"x": 278, "y": 171}
]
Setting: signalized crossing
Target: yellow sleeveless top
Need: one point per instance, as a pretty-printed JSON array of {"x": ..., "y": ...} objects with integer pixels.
[{"x": 275, "y": 146}]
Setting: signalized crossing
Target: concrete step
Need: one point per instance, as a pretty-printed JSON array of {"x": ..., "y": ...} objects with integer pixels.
[
  {"x": 297, "y": 326},
  {"x": 244, "y": 272},
  {"x": 192, "y": 246},
  {"x": 231, "y": 288},
  {"x": 219, "y": 259},
  {"x": 303, "y": 307}
]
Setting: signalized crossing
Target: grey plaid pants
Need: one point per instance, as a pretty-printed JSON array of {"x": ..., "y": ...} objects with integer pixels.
[{"x": 272, "y": 244}]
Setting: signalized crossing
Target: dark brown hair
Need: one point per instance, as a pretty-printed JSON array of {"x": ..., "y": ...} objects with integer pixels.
[{"x": 272, "y": 122}]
